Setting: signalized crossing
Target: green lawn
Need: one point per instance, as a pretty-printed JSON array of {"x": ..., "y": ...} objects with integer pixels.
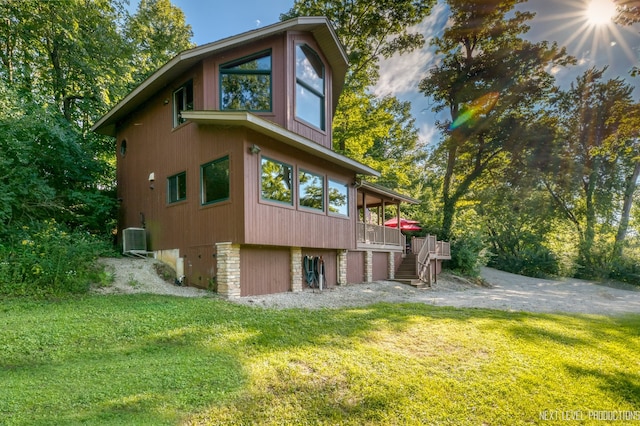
[{"x": 149, "y": 360}]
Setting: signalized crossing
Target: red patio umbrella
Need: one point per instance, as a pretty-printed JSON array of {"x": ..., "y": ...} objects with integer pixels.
[{"x": 405, "y": 224}]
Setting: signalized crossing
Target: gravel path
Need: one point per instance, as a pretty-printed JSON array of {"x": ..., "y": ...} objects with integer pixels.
[{"x": 504, "y": 291}]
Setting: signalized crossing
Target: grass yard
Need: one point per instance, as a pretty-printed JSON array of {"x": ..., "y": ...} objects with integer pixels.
[{"x": 152, "y": 360}]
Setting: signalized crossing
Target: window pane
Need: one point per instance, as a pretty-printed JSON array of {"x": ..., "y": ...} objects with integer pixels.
[
  {"x": 246, "y": 84},
  {"x": 177, "y": 188},
  {"x": 215, "y": 181},
  {"x": 276, "y": 181},
  {"x": 310, "y": 79},
  {"x": 311, "y": 190},
  {"x": 338, "y": 198},
  {"x": 246, "y": 92},
  {"x": 309, "y": 68},
  {"x": 309, "y": 107},
  {"x": 182, "y": 101}
]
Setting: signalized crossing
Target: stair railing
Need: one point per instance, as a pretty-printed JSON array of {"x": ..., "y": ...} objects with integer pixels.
[{"x": 424, "y": 269}]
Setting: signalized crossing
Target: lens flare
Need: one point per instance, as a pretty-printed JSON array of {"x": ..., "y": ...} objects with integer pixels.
[{"x": 478, "y": 107}]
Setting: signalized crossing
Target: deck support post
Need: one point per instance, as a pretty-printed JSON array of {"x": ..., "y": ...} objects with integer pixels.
[
  {"x": 391, "y": 264},
  {"x": 368, "y": 266}
]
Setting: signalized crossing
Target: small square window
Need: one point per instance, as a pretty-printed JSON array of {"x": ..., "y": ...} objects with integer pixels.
[{"x": 177, "y": 187}]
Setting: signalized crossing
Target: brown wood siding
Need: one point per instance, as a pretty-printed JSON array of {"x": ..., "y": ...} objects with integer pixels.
[
  {"x": 330, "y": 259},
  {"x": 277, "y": 45},
  {"x": 289, "y": 225},
  {"x": 380, "y": 266},
  {"x": 355, "y": 267},
  {"x": 264, "y": 270},
  {"x": 154, "y": 146}
]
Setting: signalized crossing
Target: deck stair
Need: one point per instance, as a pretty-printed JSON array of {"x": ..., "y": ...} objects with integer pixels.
[{"x": 406, "y": 272}]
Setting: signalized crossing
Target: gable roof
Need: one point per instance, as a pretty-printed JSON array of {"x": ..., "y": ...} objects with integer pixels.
[{"x": 320, "y": 27}]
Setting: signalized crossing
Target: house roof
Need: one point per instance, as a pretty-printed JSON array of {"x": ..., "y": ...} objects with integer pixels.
[
  {"x": 271, "y": 129},
  {"x": 320, "y": 27},
  {"x": 385, "y": 193}
]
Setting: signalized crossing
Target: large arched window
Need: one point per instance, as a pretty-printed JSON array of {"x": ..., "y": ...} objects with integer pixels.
[{"x": 310, "y": 97}]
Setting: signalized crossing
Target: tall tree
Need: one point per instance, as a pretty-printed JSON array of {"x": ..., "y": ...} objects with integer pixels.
[
  {"x": 624, "y": 146},
  {"x": 156, "y": 32},
  {"x": 490, "y": 80},
  {"x": 587, "y": 177}
]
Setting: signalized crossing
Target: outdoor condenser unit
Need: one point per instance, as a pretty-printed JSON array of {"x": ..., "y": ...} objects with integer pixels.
[{"x": 134, "y": 242}]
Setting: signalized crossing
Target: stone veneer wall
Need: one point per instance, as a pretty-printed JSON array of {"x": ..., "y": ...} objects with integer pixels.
[
  {"x": 368, "y": 266},
  {"x": 296, "y": 269},
  {"x": 342, "y": 267},
  {"x": 391, "y": 265},
  {"x": 228, "y": 267}
]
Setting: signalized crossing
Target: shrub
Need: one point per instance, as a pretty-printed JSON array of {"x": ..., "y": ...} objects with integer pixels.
[
  {"x": 467, "y": 254},
  {"x": 47, "y": 259},
  {"x": 536, "y": 262},
  {"x": 625, "y": 269}
]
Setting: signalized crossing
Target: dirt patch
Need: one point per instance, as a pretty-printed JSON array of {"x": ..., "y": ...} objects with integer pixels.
[{"x": 136, "y": 275}]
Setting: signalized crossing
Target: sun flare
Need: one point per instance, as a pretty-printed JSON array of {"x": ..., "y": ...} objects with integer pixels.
[{"x": 600, "y": 12}]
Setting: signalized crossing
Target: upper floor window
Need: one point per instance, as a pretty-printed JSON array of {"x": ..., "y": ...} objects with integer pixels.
[
  {"x": 177, "y": 187},
  {"x": 182, "y": 101},
  {"x": 215, "y": 181},
  {"x": 310, "y": 99},
  {"x": 276, "y": 181},
  {"x": 246, "y": 84}
]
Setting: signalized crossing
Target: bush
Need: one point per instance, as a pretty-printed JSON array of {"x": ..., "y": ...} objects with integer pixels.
[
  {"x": 625, "y": 269},
  {"x": 466, "y": 255},
  {"x": 46, "y": 259},
  {"x": 537, "y": 262}
]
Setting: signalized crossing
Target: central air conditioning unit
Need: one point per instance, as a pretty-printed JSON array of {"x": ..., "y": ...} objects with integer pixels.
[{"x": 134, "y": 242}]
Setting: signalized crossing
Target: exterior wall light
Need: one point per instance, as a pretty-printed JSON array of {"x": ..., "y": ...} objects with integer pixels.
[{"x": 254, "y": 149}]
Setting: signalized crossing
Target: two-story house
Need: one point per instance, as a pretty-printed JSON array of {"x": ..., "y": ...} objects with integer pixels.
[{"x": 225, "y": 159}]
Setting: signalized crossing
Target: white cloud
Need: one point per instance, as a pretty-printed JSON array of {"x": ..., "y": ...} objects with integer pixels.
[
  {"x": 428, "y": 135},
  {"x": 401, "y": 74}
]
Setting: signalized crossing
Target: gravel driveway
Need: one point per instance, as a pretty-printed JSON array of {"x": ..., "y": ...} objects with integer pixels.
[{"x": 505, "y": 291}]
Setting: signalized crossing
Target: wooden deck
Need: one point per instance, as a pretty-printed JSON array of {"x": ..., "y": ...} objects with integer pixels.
[{"x": 380, "y": 237}]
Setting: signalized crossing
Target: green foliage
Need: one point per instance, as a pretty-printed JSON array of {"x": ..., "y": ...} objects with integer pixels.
[
  {"x": 156, "y": 33},
  {"x": 379, "y": 132},
  {"x": 625, "y": 269},
  {"x": 467, "y": 254},
  {"x": 532, "y": 261},
  {"x": 492, "y": 82},
  {"x": 158, "y": 360},
  {"x": 46, "y": 172},
  {"x": 47, "y": 259}
]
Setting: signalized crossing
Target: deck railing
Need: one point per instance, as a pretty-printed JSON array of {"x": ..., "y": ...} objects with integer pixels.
[
  {"x": 436, "y": 249},
  {"x": 428, "y": 249},
  {"x": 377, "y": 234}
]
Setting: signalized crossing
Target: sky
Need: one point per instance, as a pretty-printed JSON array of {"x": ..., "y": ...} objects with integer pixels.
[{"x": 563, "y": 21}]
